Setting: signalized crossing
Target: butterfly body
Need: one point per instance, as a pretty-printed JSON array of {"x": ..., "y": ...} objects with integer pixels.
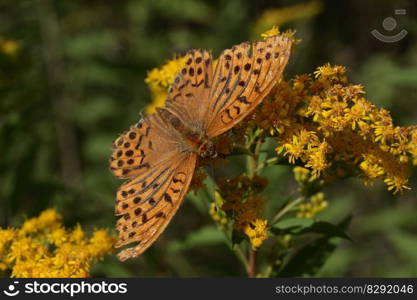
[
  {"x": 194, "y": 137},
  {"x": 198, "y": 142},
  {"x": 158, "y": 155}
]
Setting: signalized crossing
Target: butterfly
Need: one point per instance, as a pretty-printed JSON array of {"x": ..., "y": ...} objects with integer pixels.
[{"x": 158, "y": 155}]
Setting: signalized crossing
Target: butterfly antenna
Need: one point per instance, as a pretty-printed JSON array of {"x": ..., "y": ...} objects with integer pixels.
[{"x": 141, "y": 113}]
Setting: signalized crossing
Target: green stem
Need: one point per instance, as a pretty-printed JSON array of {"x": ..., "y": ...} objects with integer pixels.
[
  {"x": 251, "y": 166},
  {"x": 235, "y": 248},
  {"x": 239, "y": 253},
  {"x": 267, "y": 162},
  {"x": 287, "y": 208},
  {"x": 252, "y": 169}
]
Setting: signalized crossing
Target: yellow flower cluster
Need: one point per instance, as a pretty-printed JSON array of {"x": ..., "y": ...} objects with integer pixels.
[
  {"x": 301, "y": 174},
  {"x": 217, "y": 214},
  {"x": 329, "y": 126},
  {"x": 321, "y": 122},
  {"x": 274, "y": 31},
  {"x": 312, "y": 207},
  {"x": 245, "y": 206},
  {"x": 9, "y": 47},
  {"x": 43, "y": 248},
  {"x": 257, "y": 232},
  {"x": 159, "y": 80}
]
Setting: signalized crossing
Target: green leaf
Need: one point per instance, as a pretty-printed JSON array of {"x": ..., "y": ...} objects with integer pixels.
[
  {"x": 327, "y": 229},
  {"x": 290, "y": 226},
  {"x": 309, "y": 259},
  {"x": 298, "y": 226},
  {"x": 206, "y": 236},
  {"x": 289, "y": 222},
  {"x": 293, "y": 230}
]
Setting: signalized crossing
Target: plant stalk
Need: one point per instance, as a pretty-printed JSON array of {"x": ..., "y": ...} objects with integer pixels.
[
  {"x": 252, "y": 264},
  {"x": 288, "y": 207}
]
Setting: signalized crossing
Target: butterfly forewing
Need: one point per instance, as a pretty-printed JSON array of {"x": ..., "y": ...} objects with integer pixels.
[
  {"x": 244, "y": 76},
  {"x": 188, "y": 94}
]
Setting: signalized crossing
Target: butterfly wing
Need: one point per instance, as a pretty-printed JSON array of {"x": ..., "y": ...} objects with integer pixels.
[
  {"x": 187, "y": 96},
  {"x": 244, "y": 75},
  {"x": 159, "y": 176}
]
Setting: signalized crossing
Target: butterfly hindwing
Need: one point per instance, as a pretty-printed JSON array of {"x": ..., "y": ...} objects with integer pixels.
[
  {"x": 158, "y": 174},
  {"x": 146, "y": 144},
  {"x": 147, "y": 204}
]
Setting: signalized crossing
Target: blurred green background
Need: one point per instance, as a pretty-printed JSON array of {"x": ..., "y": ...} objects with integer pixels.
[{"x": 72, "y": 79}]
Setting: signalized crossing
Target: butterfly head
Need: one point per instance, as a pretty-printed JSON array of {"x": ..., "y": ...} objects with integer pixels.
[{"x": 207, "y": 150}]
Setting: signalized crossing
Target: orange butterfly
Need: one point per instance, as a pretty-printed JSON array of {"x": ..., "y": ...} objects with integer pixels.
[{"x": 158, "y": 154}]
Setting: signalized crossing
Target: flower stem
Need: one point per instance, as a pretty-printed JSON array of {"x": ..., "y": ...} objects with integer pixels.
[
  {"x": 252, "y": 169},
  {"x": 235, "y": 248},
  {"x": 267, "y": 162},
  {"x": 239, "y": 253},
  {"x": 252, "y": 264},
  {"x": 288, "y": 207}
]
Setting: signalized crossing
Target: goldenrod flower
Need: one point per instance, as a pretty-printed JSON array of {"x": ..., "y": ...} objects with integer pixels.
[
  {"x": 159, "y": 80},
  {"x": 238, "y": 199},
  {"x": 42, "y": 247},
  {"x": 9, "y": 47},
  {"x": 271, "y": 32},
  {"x": 322, "y": 121},
  {"x": 315, "y": 205},
  {"x": 257, "y": 231},
  {"x": 301, "y": 174},
  {"x": 217, "y": 214}
]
